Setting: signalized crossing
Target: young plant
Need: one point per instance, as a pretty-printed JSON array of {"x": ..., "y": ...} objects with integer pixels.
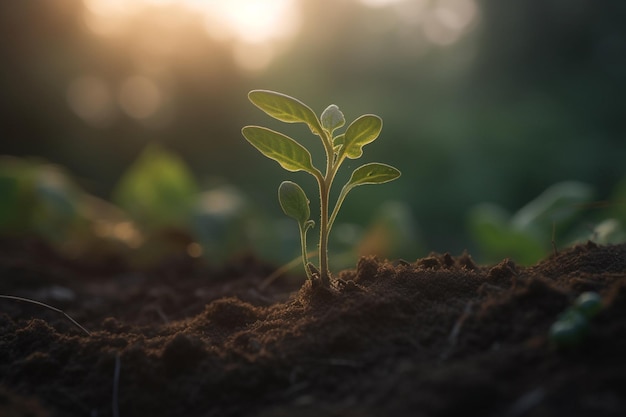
[{"x": 293, "y": 157}]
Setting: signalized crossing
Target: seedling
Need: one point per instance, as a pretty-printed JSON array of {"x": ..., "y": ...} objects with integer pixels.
[{"x": 293, "y": 157}]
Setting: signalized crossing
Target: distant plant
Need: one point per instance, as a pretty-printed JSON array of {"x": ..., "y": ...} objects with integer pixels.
[
  {"x": 527, "y": 234},
  {"x": 572, "y": 325},
  {"x": 563, "y": 209},
  {"x": 158, "y": 190},
  {"x": 293, "y": 157}
]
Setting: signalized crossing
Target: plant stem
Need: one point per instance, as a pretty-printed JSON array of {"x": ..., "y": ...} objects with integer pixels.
[
  {"x": 341, "y": 197},
  {"x": 305, "y": 259},
  {"x": 324, "y": 196},
  {"x": 324, "y": 184}
]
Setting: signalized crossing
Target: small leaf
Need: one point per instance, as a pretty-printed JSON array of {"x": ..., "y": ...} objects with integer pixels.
[
  {"x": 338, "y": 143},
  {"x": 339, "y": 140},
  {"x": 294, "y": 203},
  {"x": 332, "y": 118},
  {"x": 362, "y": 131},
  {"x": 373, "y": 173},
  {"x": 287, "y": 152},
  {"x": 285, "y": 108}
]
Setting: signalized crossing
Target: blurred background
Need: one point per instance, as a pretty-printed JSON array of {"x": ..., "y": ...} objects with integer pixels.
[{"x": 120, "y": 121}]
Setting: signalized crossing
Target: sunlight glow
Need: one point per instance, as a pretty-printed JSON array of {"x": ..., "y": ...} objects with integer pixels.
[
  {"x": 448, "y": 19},
  {"x": 253, "y": 57},
  {"x": 253, "y": 21},
  {"x": 257, "y": 30},
  {"x": 265, "y": 24},
  {"x": 380, "y": 3},
  {"x": 105, "y": 18}
]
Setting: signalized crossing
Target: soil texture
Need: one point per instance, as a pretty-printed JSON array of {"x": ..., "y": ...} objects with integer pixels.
[{"x": 437, "y": 336}]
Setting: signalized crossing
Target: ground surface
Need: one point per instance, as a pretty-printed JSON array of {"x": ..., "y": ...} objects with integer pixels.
[{"x": 439, "y": 336}]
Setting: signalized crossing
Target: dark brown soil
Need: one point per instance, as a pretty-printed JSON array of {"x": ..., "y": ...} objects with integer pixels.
[{"x": 440, "y": 336}]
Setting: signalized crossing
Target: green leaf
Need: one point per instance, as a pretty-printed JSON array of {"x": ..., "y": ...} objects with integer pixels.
[
  {"x": 372, "y": 173},
  {"x": 285, "y": 108},
  {"x": 362, "y": 131},
  {"x": 158, "y": 189},
  {"x": 338, "y": 141},
  {"x": 294, "y": 202},
  {"x": 332, "y": 118},
  {"x": 287, "y": 152},
  {"x": 490, "y": 227},
  {"x": 558, "y": 204}
]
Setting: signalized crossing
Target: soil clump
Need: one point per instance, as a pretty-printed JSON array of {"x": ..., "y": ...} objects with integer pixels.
[{"x": 438, "y": 336}]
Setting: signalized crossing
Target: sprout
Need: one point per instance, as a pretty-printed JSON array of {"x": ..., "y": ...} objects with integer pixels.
[{"x": 292, "y": 156}]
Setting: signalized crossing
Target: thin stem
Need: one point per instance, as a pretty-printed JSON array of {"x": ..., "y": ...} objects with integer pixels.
[
  {"x": 116, "y": 386},
  {"x": 305, "y": 259},
  {"x": 324, "y": 185},
  {"x": 323, "y": 248},
  {"x": 342, "y": 195},
  {"x": 338, "y": 204},
  {"x": 283, "y": 269},
  {"x": 39, "y": 303}
]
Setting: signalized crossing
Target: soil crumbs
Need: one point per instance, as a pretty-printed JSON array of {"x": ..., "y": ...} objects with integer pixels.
[{"x": 440, "y": 336}]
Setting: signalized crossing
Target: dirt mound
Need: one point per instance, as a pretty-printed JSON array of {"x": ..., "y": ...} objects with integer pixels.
[{"x": 440, "y": 336}]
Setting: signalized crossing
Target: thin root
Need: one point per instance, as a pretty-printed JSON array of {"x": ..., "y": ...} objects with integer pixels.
[{"x": 39, "y": 303}]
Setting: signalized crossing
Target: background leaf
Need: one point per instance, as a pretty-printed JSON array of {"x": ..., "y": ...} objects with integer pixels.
[
  {"x": 158, "y": 189},
  {"x": 362, "y": 131},
  {"x": 287, "y": 152},
  {"x": 285, "y": 108}
]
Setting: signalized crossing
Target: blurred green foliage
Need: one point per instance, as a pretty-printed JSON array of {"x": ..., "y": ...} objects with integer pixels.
[
  {"x": 558, "y": 215},
  {"x": 526, "y": 235},
  {"x": 37, "y": 198},
  {"x": 158, "y": 190},
  {"x": 162, "y": 212},
  {"x": 529, "y": 96}
]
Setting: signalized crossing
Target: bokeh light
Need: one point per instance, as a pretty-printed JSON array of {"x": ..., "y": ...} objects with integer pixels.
[
  {"x": 251, "y": 21},
  {"x": 448, "y": 19},
  {"x": 139, "y": 97},
  {"x": 381, "y": 3},
  {"x": 91, "y": 99}
]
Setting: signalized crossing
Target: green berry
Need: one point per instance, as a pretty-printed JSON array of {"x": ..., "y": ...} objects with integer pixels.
[
  {"x": 588, "y": 303},
  {"x": 569, "y": 329}
]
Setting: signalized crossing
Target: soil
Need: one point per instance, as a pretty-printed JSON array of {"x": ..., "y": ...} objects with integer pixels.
[{"x": 438, "y": 336}]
